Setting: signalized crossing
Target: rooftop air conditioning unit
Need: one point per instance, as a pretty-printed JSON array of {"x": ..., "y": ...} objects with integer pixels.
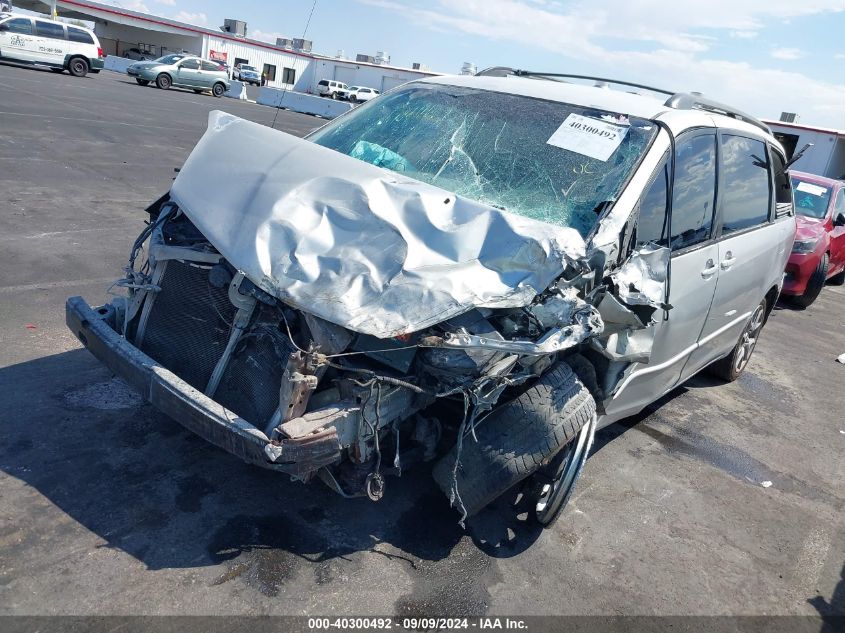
[
  {"x": 468, "y": 68},
  {"x": 367, "y": 59},
  {"x": 235, "y": 27},
  {"x": 301, "y": 45},
  {"x": 284, "y": 42},
  {"x": 789, "y": 117},
  {"x": 382, "y": 58}
]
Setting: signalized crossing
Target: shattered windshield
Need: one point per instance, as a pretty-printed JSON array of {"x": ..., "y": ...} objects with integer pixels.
[{"x": 545, "y": 160}]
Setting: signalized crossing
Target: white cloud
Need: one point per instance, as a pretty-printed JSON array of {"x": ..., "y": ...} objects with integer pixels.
[
  {"x": 744, "y": 35},
  {"x": 132, "y": 5},
  {"x": 679, "y": 34},
  {"x": 788, "y": 54},
  {"x": 191, "y": 18},
  {"x": 169, "y": 3},
  {"x": 839, "y": 56},
  {"x": 265, "y": 36}
]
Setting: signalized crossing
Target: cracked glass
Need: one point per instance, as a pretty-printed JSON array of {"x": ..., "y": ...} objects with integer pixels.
[{"x": 492, "y": 147}]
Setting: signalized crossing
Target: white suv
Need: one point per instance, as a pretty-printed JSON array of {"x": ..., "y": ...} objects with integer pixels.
[
  {"x": 331, "y": 88},
  {"x": 59, "y": 46}
]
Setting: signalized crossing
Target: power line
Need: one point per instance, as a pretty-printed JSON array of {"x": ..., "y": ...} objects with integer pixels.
[{"x": 285, "y": 89}]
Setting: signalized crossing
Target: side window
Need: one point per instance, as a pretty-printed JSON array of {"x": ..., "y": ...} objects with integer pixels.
[
  {"x": 190, "y": 64},
  {"x": 745, "y": 196},
  {"x": 694, "y": 191},
  {"x": 209, "y": 66},
  {"x": 289, "y": 76},
  {"x": 19, "y": 25},
  {"x": 49, "y": 29},
  {"x": 651, "y": 227},
  {"x": 78, "y": 35}
]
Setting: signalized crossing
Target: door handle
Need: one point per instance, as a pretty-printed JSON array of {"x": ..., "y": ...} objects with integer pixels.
[
  {"x": 710, "y": 269},
  {"x": 728, "y": 261}
]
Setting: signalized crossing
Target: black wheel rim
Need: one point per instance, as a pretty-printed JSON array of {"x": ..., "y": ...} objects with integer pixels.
[
  {"x": 78, "y": 68},
  {"x": 554, "y": 495}
]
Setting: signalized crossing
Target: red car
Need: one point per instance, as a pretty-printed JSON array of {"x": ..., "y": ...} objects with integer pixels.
[{"x": 818, "y": 254}]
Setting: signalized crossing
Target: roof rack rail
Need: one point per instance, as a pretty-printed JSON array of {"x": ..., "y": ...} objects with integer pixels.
[
  {"x": 502, "y": 71},
  {"x": 695, "y": 101},
  {"x": 676, "y": 100}
]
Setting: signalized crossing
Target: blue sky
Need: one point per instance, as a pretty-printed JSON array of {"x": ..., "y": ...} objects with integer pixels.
[{"x": 764, "y": 56}]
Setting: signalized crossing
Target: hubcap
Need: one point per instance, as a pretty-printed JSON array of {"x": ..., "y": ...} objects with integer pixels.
[{"x": 749, "y": 339}]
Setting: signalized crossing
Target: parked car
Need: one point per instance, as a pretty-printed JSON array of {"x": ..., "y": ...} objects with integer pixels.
[
  {"x": 477, "y": 270},
  {"x": 357, "y": 93},
  {"x": 44, "y": 42},
  {"x": 330, "y": 88},
  {"x": 247, "y": 74},
  {"x": 183, "y": 71},
  {"x": 818, "y": 254},
  {"x": 138, "y": 55}
]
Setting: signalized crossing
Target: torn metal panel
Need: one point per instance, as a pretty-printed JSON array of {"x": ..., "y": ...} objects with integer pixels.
[
  {"x": 630, "y": 346},
  {"x": 583, "y": 322},
  {"x": 642, "y": 279},
  {"x": 365, "y": 248}
]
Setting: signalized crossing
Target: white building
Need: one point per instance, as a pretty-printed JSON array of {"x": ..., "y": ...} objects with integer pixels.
[
  {"x": 827, "y": 155},
  {"x": 121, "y": 29}
]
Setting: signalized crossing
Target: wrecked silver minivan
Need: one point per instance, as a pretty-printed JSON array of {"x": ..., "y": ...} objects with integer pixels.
[{"x": 479, "y": 271}]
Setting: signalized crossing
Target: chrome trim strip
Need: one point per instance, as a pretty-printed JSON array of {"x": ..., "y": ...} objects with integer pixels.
[{"x": 689, "y": 350}]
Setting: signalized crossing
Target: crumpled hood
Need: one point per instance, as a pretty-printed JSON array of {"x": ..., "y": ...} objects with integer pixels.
[
  {"x": 365, "y": 248},
  {"x": 808, "y": 228}
]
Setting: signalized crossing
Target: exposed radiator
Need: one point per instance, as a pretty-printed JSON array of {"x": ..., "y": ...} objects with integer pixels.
[
  {"x": 189, "y": 323},
  {"x": 187, "y": 331}
]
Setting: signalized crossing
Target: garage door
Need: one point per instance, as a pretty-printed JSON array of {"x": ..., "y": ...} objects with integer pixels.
[
  {"x": 345, "y": 75},
  {"x": 391, "y": 82}
]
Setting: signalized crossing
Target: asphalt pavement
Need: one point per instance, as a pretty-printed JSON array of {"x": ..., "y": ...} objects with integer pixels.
[{"x": 718, "y": 500}]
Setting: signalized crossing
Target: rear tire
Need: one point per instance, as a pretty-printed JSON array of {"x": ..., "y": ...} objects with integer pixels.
[
  {"x": 218, "y": 90},
  {"x": 731, "y": 366},
  {"x": 518, "y": 439},
  {"x": 814, "y": 285},
  {"x": 142, "y": 82},
  {"x": 164, "y": 81},
  {"x": 78, "y": 67}
]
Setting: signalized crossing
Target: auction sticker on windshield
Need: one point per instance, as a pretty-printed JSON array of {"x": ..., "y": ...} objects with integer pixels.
[
  {"x": 814, "y": 190},
  {"x": 588, "y": 137}
]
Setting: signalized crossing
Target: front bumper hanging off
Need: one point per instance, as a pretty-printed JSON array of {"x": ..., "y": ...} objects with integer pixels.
[{"x": 299, "y": 456}]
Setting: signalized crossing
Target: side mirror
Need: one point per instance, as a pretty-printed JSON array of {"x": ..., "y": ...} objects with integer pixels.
[{"x": 839, "y": 219}]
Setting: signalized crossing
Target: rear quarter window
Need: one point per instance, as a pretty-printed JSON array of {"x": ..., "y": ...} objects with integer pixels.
[
  {"x": 78, "y": 35},
  {"x": 745, "y": 183},
  {"x": 211, "y": 66}
]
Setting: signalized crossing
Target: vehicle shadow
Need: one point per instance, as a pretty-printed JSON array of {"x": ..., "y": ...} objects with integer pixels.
[
  {"x": 152, "y": 489},
  {"x": 833, "y": 612}
]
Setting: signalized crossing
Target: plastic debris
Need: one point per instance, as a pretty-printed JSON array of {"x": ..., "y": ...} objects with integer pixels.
[
  {"x": 841, "y": 359},
  {"x": 31, "y": 326},
  {"x": 766, "y": 484}
]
